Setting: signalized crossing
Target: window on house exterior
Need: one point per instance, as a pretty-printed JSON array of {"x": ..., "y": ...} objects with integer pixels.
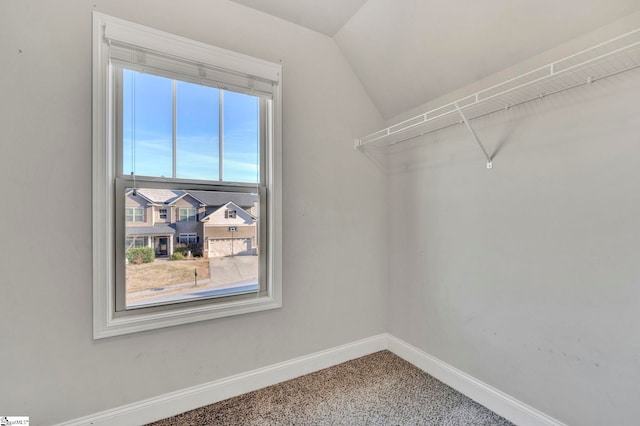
[
  {"x": 186, "y": 215},
  {"x": 136, "y": 242},
  {"x": 134, "y": 214},
  {"x": 230, "y": 214},
  {"x": 190, "y": 238},
  {"x": 174, "y": 121}
]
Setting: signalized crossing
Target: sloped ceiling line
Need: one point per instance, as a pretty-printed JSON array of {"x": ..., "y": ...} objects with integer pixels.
[{"x": 409, "y": 52}]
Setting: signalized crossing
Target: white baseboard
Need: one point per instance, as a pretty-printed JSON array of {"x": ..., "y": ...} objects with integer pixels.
[
  {"x": 497, "y": 401},
  {"x": 188, "y": 399}
]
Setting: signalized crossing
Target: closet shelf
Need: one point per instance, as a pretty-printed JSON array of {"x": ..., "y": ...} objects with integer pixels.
[{"x": 603, "y": 60}]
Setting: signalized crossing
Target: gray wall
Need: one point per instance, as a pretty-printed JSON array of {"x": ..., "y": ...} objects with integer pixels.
[
  {"x": 527, "y": 276},
  {"x": 333, "y": 293}
]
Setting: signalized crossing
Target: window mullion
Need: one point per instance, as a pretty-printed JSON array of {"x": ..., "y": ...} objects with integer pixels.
[
  {"x": 174, "y": 130},
  {"x": 221, "y": 134}
]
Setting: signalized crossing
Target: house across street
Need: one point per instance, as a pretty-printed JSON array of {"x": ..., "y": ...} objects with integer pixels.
[{"x": 217, "y": 223}]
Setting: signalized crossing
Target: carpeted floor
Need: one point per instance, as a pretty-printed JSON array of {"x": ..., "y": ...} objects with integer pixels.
[{"x": 378, "y": 389}]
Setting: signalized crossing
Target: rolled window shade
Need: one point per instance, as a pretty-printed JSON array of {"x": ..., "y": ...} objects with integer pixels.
[{"x": 188, "y": 60}]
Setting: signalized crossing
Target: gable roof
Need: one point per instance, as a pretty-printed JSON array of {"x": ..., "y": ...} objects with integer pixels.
[
  {"x": 160, "y": 196},
  {"x": 189, "y": 194},
  {"x": 240, "y": 212}
]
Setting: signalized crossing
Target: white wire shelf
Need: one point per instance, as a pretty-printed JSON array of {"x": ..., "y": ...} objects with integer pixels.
[{"x": 603, "y": 60}]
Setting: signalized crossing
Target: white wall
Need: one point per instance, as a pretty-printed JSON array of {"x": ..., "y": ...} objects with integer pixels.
[
  {"x": 333, "y": 293},
  {"x": 527, "y": 276}
]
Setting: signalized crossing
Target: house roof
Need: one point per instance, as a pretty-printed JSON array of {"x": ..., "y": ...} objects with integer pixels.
[
  {"x": 157, "y": 229},
  {"x": 207, "y": 198},
  {"x": 248, "y": 217},
  {"x": 160, "y": 196},
  {"x": 213, "y": 198}
]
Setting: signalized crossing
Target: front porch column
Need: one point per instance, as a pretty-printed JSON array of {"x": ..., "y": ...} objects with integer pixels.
[{"x": 170, "y": 245}]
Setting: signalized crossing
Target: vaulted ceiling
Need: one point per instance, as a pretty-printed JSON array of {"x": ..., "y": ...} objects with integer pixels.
[
  {"x": 326, "y": 17},
  {"x": 408, "y": 52}
]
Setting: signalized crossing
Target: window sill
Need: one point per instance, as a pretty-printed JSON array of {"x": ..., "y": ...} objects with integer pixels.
[{"x": 110, "y": 325}]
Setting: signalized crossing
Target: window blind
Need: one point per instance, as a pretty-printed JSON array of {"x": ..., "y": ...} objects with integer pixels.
[{"x": 190, "y": 61}]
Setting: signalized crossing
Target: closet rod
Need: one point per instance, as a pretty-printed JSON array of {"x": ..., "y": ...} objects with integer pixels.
[{"x": 612, "y": 57}]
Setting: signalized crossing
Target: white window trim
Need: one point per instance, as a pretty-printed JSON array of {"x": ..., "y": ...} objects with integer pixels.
[
  {"x": 188, "y": 217},
  {"x": 133, "y": 214},
  {"x": 105, "y": 322},
  {"x": 188, "y": 236},
  {"x": 136, "y": 238}
]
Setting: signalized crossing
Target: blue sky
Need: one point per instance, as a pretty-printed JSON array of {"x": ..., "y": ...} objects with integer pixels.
[{"x": 147, "y": 130}]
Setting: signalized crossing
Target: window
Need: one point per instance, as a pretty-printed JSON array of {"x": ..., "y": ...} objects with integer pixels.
[
  {"x": 134, "y": 214},
  {"x": 178, "y": 122},
  {"x": 186, "y": 215},
  {"x": 190, "y": 238},
  {"x": 230, "y": 214},
  {"x": 136, "y": 242}
]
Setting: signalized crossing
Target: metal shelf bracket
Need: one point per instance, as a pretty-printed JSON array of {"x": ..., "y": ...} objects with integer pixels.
[
  {"x": 603, "y": 60},
  {"x": 473, "y": 133}
]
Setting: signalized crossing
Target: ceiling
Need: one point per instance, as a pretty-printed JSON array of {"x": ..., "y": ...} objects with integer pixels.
[
  {"x": 324, "y": 16},
  {"x": 408, "y": 52}
]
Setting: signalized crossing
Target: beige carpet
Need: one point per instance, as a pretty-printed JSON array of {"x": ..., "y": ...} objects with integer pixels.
[{"x": 378, "y": 389}]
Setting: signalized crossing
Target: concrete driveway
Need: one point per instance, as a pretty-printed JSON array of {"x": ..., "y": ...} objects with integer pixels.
[
  {"x": 228, "y": 275},
  {"x": 229, "y": 270}
]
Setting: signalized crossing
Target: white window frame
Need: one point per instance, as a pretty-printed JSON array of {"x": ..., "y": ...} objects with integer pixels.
[
  {"x": 135, "y": 238},
  {"x": 230, "y": 214},
  {"x": 187, "y": 217},
  {"x": 107, "y": 322},
  {"x": 134, "y": 214},
  {"x": 162, "y": 213},
  {"x": 188, "y": 238}
]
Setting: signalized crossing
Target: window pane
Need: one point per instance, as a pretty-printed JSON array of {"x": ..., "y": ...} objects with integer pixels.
[
  {"x": 147, "y": 112},
  {"x": 241, "y": 137},
  {"x": 214, "y": 256},
  {"x": 187, "y": 215},
  {"x": 197, "y": 131}
]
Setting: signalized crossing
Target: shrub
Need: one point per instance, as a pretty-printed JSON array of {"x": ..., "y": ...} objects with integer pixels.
[
  {"x": 177, "y": 256},
  {"x": 140, "y": 255},
  {"x": 181, "y": 248},
  {"x": 195, "y": 249}
]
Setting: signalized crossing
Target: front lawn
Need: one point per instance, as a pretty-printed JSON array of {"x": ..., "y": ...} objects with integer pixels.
[{"x": 160, "y": 274}]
